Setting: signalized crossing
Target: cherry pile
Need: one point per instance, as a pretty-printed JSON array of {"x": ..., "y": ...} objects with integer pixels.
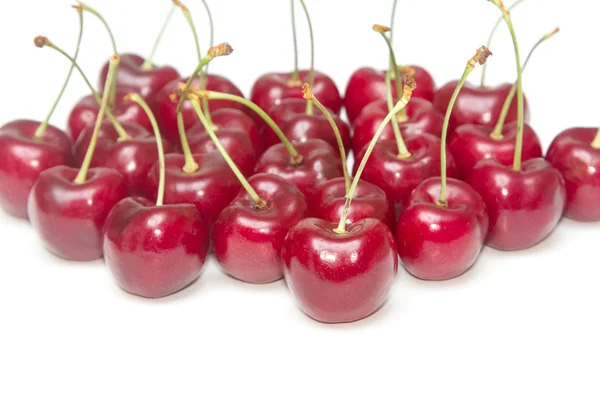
[{"x": 156, "y": 171}]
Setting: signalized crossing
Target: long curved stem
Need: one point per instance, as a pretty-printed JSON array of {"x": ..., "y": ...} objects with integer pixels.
[
  {"x": 382, "y": 30},
  {"x": 492, "y": 34},
  {"x": 260, "y": 203},
  {"x": 148, "y": 65},
  {"x": 42, "y": 41},
  {"x": 159, "y": 145},
  {"x": 308, "y": 95},
  {"x": 409, "y": 86},
  {"x": 596, "y": 141},
  {"x": 39, "y": 132},
  {"x": 190, "y": 21},
  {"x": 497, "y": 132},
  {"x": 89, "y": 154},
  {"x": 393, "y": 20},
  {"x": 204, "y": 76},
  {"x": 296, "y": 73},
  {"x": 402, "y": 149},
  {"x": 311, "y": 73}
]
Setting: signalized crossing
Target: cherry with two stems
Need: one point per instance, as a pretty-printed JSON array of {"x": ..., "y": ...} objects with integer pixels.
[
  {"x": 67, "y": 206},
  {"x": 525, "y": 201},
  {"x": 442, "y": 230},
  {"x": 155, "y": 250}
]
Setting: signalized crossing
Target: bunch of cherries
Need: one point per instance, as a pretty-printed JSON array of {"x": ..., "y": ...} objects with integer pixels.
[{"x": 155, "y": 171}]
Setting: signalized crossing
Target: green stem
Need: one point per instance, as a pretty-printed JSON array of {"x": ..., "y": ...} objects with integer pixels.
[
  {"x": 85, "y": 165},
  {"x": 204, "y": 76},
  {"x": 393, "y": 63},
  {"x": 190, "y": 21},
  {"x": 497, "y": 132},
  {"x": 296, "y": 73},
  {"x": 148, "y": 65},
  {"x": 393, "y": 21},
  {"x": 260, "y": 203},
  {"x": 311, "y": 73},
  {"x": 402, "y": 149},
  {"x": 159, "y": 145},
  {"x": 596, "y": 141},
  {"x": 39, "y": 132},
  {"x": 341, "y": 228},
  {"x": 489, "y": 42},
  {"x": 123, "y": 135}
]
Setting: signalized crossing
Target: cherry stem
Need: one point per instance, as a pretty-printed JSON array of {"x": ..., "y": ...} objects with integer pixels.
[
  {"x": 39, "y": 132},
  {"x": 393, "y": 21},
  {"x": 489, "y": 42},
  {"x": 260, "y": 203},
  {"x": 296, "y": 159},
  {"x": 311, "y": 73},
  {"x": 217, "y": 51},
  {"x": 402, "y": 149},
  {"x": 308, "y": 95},
  {"x": 295, "y": 78},
  {"x": 204, "y": 76},
  {"x": 190, "y": 21},
  {"x": 159, "y": 144},
  {"x": 382, "y": 30},
  {"x": 85, "y": 165},
  {"x": 42, "y": 41},
  {"x": 409, "y": 86},
  {"x": 480, "y": 58},
  {"x": 497, "y": 132},
  {"x": 596, "y": 141},
  {"x": 519, "y": 139},
  {"x": 148, "y": 65}
]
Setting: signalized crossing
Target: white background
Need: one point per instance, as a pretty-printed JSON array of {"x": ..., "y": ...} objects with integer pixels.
[{"x": 521, "y": 325}]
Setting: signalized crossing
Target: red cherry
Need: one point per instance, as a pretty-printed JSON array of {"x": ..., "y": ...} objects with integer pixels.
[
  {"x": 320, "y": 163},
  {"x": 69, "y": 217},
  {"x": 572, "y": 154},
  {"x": 247, "y": 240},
  {"x": 368, "y": 201},
  {"x": 154, "y": 251},
  {"x": 524, "y": 206},
  {"x": 132, "y": 158},
  {"x": 397, "y": 176},
  {"x": 367, "y": 85},
  {"x": 340, "y": 277},
  {"x": 165, "y": 109},
  {"x": 86, "y": 111},
  {"x": 290, "y": 115},
  {"x": 441, "y": 242},
  {"x": 422, "y": 118},
  {"x": 211, "y": 188},
  {"x": 471, "y": 143},
  {"x": 23, "y": 157}
]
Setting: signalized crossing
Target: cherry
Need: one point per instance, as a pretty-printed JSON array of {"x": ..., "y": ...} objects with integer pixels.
[
  {"x": 271, "y": 88},
  {"x": 67, "y": 207},
  {"x": 155, "y": 250},
  {"x": 526, "y": 201},
  {"x": 132, "y": 158},
  {"x": 248, "y": 237},
  {"x": 575, "y": 153},
  {"x": 441, "y": 232}
]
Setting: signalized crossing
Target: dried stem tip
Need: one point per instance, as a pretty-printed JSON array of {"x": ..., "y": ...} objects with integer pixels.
[
  {"x": 223, "y": 49},
  {"x": 307, "y": 94},
  {"x": 480, "y": 57},
  {"x": 381, "y": 28},
  {"x": 180, "y": 5},
  {"x": 554, "y": 32},
  {"x": 174, "y": 98},
  {"x": 129, "y": 97},
  {"x": 500, "y": 4},
  {"x": 41, "y": 41},
  {"x": 410, "y": 82}
]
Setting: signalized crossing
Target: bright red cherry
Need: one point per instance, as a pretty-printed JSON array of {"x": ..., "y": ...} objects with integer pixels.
[
  {"x": 248, "y": 237},
  {"x": 575, "y": 153}
]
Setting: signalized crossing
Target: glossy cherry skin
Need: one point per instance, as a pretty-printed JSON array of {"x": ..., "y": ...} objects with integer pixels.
[
  {"x": 422, "y": 118},
  {"x": 23, "y": 158},
  {"x": 69, "y": 217},
  {"x": 340, "y": 278},
  {"x": 398, "y": 177},
  {"x": 132, "y": 158},
  {"x": 211, "y": 188},
  {"x": 367, "y": 85},
  {"x": 290, "y": 115},
  {"x": 270, "y": 89},
  {"x": 320, "y": 163},
  {"x": 476, "y": 105},
  {"x": 523, "y": 206},
  {"x": 573, "y": 156},
  {"x": 86, "y": 111},
  {"x": 369, "y": 201},
  {"x": 441, "y": 242},
  {"x": 131, "y": 77},
  {"x": 247, "y": 240},
  {"x": 472, "y": 143},
  {"x": 154, "y": 251},
  {"x": 166, "y": 111}
]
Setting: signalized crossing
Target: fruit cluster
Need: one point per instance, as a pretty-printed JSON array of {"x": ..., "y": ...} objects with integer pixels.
[{"x": 155, "y": 171}]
